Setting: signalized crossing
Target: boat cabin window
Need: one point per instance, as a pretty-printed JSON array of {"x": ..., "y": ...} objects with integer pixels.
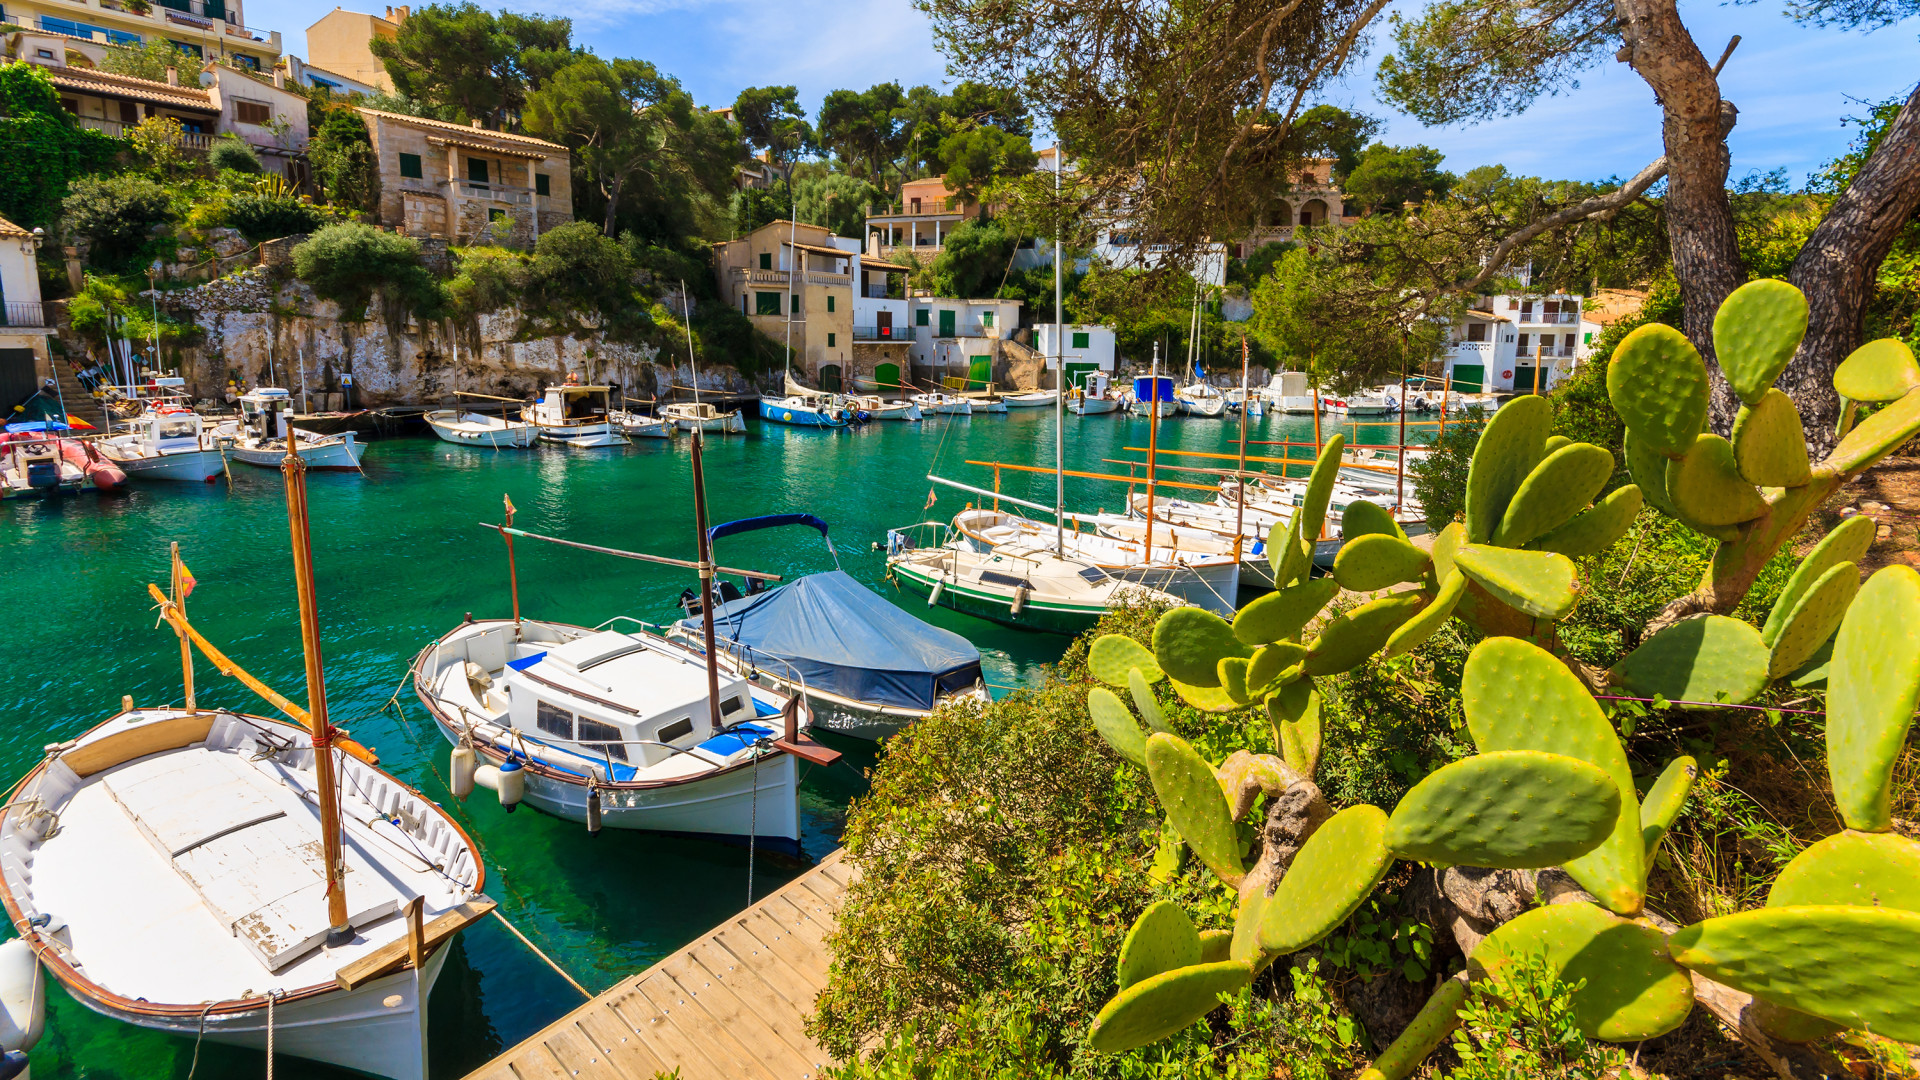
[
  {"x": 1094, "y": 575},
  {"x": 678, "y": 729},
  {"x": 735, "y": 705},
  {"x": 554, "y": 720},
  {"x": 582, "y": 406},
  {"x": 174, "y": 429},
  {"x": 603, "y": 737}
]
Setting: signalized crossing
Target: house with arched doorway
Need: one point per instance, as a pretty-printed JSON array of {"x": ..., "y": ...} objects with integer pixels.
[{"x": 1311, "y": 198}]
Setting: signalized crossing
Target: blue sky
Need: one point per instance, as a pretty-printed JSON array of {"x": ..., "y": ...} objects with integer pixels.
[{"x": 1792, "y": 83}]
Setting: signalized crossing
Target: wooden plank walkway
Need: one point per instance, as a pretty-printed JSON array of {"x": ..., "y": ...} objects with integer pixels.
[{"x": 734, "y": 1004}]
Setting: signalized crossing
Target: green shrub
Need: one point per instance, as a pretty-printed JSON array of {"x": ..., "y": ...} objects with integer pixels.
[
  {"x": 231, "y": 152},
  {"x": 1440, "y": 479},
  {"x": 45, "y": 148},
  {"x": 344, "y": 163},
  {"x": 1520, "y": 1025},
  {"x": 486, "y": 279},
  {"x": 350, "y": 263},
  {"x": 576, "y": 269},
  {"x": 150, "y": 61},
  {"x": 268, "y": 217},
  {"x": 117, "y": 216}
]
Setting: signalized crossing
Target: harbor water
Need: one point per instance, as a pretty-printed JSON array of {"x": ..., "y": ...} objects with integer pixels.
[{"x": 401, "y": 557}]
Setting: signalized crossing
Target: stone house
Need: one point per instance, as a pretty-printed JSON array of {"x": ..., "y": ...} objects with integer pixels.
[
  {"x": 339, "y": 45},
  {"x": 468, "y": 184},
  {"x": 794, "y": 282},
  {"x": 919, "y": 221}
]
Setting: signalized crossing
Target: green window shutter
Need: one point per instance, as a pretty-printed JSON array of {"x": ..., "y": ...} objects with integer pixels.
[
  {"x": 410, "y": 166},
  {"x": 829, "y": 341},
  {"x": 1081, "y": 339},
  {"x": 476, "y": 170},
  {"x": 946, "y": 322},
  {"x": 920, "y": 317},
  {"x": 829, "y": 309},
  {"x": 986, "y": 318},
  {"x": 766, "y": 260},
  {"x": 1588, "y": 341},
  {"x": 540, "y": 184},
  {"x": 766, "y": 303}
]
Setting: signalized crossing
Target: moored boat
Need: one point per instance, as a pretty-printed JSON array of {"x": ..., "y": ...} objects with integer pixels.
[
  {"x": 1037, "y": 399},
  {"x": 1017, "y": 585},
  {"x": 701, "y": 415},
  {"x": 264, "y": 433},
  {"x": 878, "y": 408},
  {"x": 31, "y": 464},
  {"x": 943, "y": 404},
  {"x": 480, "y": 429},
  {"x": 573, "y": 415},
  {"x": 804, "y": 411},
  {"x": 166, "y": 443}
]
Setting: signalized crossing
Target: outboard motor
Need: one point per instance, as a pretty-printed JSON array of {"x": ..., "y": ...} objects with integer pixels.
[{"x": 42, "y": 466}]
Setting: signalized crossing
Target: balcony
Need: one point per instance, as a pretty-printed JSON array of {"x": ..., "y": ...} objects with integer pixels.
[
  {"x": 1549, "y": 318},
  {"x": 510, "y": 194},
  {"x": 885, "y": 333},
  {"x": 925, "y": 208},
  {"x": 197, "y": 14},
  {"x": 25, "y": 315},
  {"x": 756, "y": 276},
  {"x": 197, "y": 141}
]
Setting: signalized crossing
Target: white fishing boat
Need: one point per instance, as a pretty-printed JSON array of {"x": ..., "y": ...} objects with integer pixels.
[
  {"x": 991, "y": 403},
  {"x": 263, "y": 432},
  {"x": 1095, "y": 397},
  {"x": 1374, "y": 469},
  {"x": 878, "y": 408},
  {"x": 1153, "y": 394},
  {"x": 943, "y": 404},
  {"x": 702, "y": 416},
  {"x": 1250, "y": 401},
  {"x": 573, "y": 415},
  {"x": 1208, "y": 579},
  {"x": 1019, "y": 584},
  {"x": 635, "y": 425},
  {"x": 1371, "y": 403},
  {"x": 166, "y": 443},
  {"x": 866, "y": 667},
  {"x": 480, "y": 429},
  {"x": 1038, "y": 399}
]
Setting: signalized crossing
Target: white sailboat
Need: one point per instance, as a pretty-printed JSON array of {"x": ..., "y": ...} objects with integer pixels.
[
  {"x": 1020, "y": 584},
  {"x": 210, "y": 874},
  {"x": 480, "y": 429},
  {"x": 263, "y": 434},
  {"x": 1037, "y": 399},
  {"x": 1207, "y": 578},
  {"x": 702, "y": 416},
  {"x": 878, "y": 408}
]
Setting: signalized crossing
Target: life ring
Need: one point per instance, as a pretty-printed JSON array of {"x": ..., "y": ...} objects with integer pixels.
[{"x": 1506, "y": 374}]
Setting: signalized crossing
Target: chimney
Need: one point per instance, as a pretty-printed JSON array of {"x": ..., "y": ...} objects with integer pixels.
[
  {"x": 477, "y": 123},
  {"x": 173, "y": 76},
  {"x": 280, "y": 77}
]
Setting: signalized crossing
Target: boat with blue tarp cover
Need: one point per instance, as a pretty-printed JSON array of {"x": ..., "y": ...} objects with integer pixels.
[{"x": 866, "y": 667}]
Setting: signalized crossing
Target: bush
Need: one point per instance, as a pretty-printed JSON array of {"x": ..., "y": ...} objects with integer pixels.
[
  {"x": 343, "y": 161},
  {"x": 350, "y": 263},
  {"x": 117, "y": 215},
  {"x": 150, "y": 61},
  {"x": 576, "y": 269},
  {"x": 487, "y": 279},
  {"x": 231, "y": 152},
  {"x": 159, "y": 141},
  {"x": 1521, "y": 1023},
  {"x": 45, "y": 148},
  {"x": 1440, "y": 478},
  {"x": 269, "y": 217}
]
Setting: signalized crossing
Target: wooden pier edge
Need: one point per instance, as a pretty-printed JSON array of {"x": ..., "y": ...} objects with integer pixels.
[{"x": 733, "y": 1003}]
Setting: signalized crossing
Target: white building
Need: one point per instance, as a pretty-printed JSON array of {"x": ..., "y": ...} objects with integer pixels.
[
  {"x": 1089, "y": 347},
  {"x": 1514, "y": 343},
  {"x": 24, "y": 322}
]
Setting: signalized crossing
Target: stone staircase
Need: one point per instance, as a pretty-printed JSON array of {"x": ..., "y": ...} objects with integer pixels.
[{"x": 79, "y": 403}]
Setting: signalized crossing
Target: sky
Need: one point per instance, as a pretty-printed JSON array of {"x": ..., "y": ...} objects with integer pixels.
[{"x": 1793, "y": 84}]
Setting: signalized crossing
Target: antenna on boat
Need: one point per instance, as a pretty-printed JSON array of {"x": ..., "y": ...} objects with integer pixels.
[
  {"x": 793, "y": 237},
  {"x": 706, "y": 579},
  {"x": 340, "y": 931}
]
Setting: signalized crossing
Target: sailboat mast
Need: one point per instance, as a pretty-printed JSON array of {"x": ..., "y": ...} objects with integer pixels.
[
  {"x": 339, "y": 931},
  {"x": 1240, "y": 504},
  {"x": 706, "y": 579},
  {"x": 793, "y": 256},
  {"x": 1059, "y": 378}
]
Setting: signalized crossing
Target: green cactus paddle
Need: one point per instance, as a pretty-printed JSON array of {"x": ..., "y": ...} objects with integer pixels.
[
  {"x": 1815, "y": 616},
  {"x": 1154, "y": 1008},
  {"x": 1295, "y": 715},
  {"x": 1281, "y": 615},
  {"x": 1711, "y": 658},
  {"x": 1705, "y": 485},
  {"x": 1189, "y": 642},
  {"x": 1162, "y": 939},
  {"x": 1596, "y": 528},
  {"x": 1112, "y": 656},
  {"x": 1562, "y": 485},
  {"x": 1116, "y": 725},
  {"x": 1348, "y": 640},
  {"x": 1633, "y": 989},
  {"x": 1190, "y": 793},
  {"x": 1873, "y": 686},
  {"x": 1513, "y": 809},
  {"x": 1510, "y": 446},
  {"x": 1376, "y": 561},
  {"x": 1878, "y": 371},
  {"x": 1755, "y": 333},
  {"x": 1664, "y": 801},
  {"x": 1848, "y": 542},
  {"x": 1854, "y": 868},
  {"x": 1334, "y": 872},
  {"x": 1769, "y": 445},
  {"x": 1535, "y": 583},
  {"x": 1658, "y": 385}
]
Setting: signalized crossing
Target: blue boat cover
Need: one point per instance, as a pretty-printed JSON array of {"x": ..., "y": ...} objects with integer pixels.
[{"x": 845, "y": 639}]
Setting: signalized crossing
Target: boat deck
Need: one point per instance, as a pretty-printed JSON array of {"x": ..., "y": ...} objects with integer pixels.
[{"x": 734, "y": 1003}]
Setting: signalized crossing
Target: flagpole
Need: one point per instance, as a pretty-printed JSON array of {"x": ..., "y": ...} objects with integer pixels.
[{"x": 1059, "y": 378}]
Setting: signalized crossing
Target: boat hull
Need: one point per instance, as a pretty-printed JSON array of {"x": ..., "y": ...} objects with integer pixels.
[
  {"x": 1094, "y": 406},
  {"x": 387, "y": 1040},
  {"x": 782, "y": 412},
  {"x": 1052, "y": 618},
  {"x": 900, "y": 410},
  {"x": 508, "y": 435},
  {"x": 1043, "y": 400},
  {"x": 338, "y": 453},
  {"x": 194, "y": 466}
]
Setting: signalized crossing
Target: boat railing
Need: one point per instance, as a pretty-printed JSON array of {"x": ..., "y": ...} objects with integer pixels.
[{"x": 925, "y": 534}]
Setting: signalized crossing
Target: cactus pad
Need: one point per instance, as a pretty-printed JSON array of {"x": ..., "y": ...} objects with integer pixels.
[
  {"x": 1535, "y": 583},
  {"x": 1518, "y": 697},
  {"x": 1706, "y": 486},
  {"x": 1363, "y": 518},
  {"x": 1189, "y": 643},
  {"x": 1788, "y": 1025},
  {"x": 1562, "y": 485},
  {"x": 1295, "y": 714},
  {"x": 1633, "y": 990},
  {"x": 1335, "y": 870},
  {"x": 1814, "y": 618},
  {"x": 1445, "y": 546},
  {"x": 1377, "y": 561},
  {"x": 1191, "y": 796},
  {"x": 1877, "y": 436},
  {"x": 1882, "y": 370},
  {"x": 1853, "y": 868},
  {"x": 1713, "y": 658},
  {"x": 1155, "y": 1008},
  {"x": 1512, "y": 809},
  {"x": 1246, "y": 928},
  {"x": 1215, "y": 946},
  {"x": 1162, "y": 939},
  {"x": 1428, "y": 620},
  {"x": 1430, "y": 1027},
  {"x": 1769, "y": 445},
  {"x": 1233, "y": 678},
  {"x": 1510, "y": 446},
  {"x": 1269, "y": 661},
  {"x": 1873, "y": 685},
  {"x": 1205, "y": 698},
  {"x": 1347, "y": 640},
  {"x": 1312, "y": 513},
  {"x": 1595, "y": 529},
  {"x": 1281, "y": 615},
  {"x": 1848, "y": 542},
  {"x": 1648, "y": 467},
  {"x": 1664, "y": 801},
  {"x": 1283, "y": 551},
  {"x": 1813, "y": 673},
  {"x": 1111, "y": 656},
  {"x": 1850, "y": 965},
  {"x": 1144, "y": 700},
  {"x": 1755, "y": 333},
  {"x": 1116, "y": 725},
  {"x": 1658, "y": 384}
]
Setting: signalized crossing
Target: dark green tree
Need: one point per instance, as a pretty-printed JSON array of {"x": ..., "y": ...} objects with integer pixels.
[
  {"x": 470, "y": 60},
  {"x": 351, "y": 263},
  {"x": 1387, "y": 178},
  {"x": 344, "y": 162},
  {"x": 1328, "y": 131},
  {"x": 116, "y": 215},
  {"x": 865, "y": 129},
  {"x": 976, "y": 158},
  {"x": 835, "y": 200},
  {"x": 770, "y": 117},
  {"x": 973, "y": 260}
]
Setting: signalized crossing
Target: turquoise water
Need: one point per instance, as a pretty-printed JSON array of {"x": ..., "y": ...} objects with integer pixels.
[{"x": 400, "y": 558}]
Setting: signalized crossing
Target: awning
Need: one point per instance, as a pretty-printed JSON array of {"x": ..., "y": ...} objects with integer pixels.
[
  {"x": 844, "y": 638},
  {"x": 488, "y": 148},
  {"x": 887, "y": 267},
  {"x": 819, "y": 250}
]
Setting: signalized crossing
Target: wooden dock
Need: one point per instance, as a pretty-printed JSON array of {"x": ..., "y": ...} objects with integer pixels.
[{"x": 733, "y": 1004}]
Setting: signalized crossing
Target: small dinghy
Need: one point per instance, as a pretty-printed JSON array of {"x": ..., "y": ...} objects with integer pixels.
[
  {"x": 641, "y": 426},
  {"x": 866, "y": 667},
  {"x": 1038, "y": 399},
  {"x": 941, "y": 404},
  {"x": 702, "y": 416},
  {"x": 479, "y": 429}
]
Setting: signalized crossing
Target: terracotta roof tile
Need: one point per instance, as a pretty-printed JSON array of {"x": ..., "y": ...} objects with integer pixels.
[
  {"x": 465, "y": 130},
  {"x": 107, "y": 84},
  {"x": 8, "y": 228}
]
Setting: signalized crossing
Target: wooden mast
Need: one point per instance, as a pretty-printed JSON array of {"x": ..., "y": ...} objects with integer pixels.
[
  {"x": 339, "y": 931},
  {"x": 706, "y": 580},
  {"x": 180, "y": 604},
  {"x": 513, "y": 573}
]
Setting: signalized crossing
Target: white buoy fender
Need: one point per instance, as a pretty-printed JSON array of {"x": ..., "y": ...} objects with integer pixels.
[
  {"x": 1019, "y": 600},
  {"x": 23, "y": 1001},
  {"x": 509, "y": 781},
  {"x": 933, "y": 598},
  {"x": 462, "y": 767}
]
